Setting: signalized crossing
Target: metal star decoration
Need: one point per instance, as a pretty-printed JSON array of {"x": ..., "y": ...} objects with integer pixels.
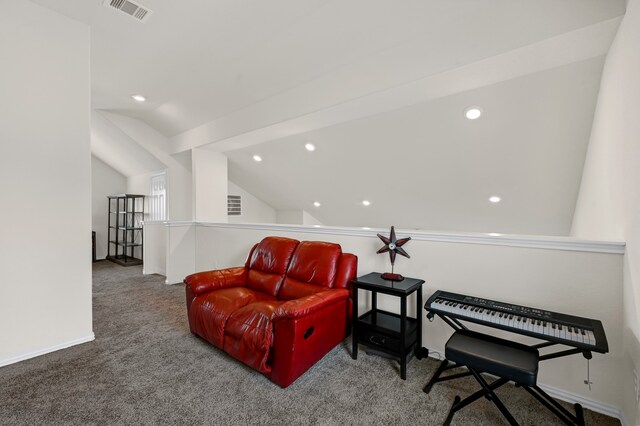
[{"x": 393, "y": 246}]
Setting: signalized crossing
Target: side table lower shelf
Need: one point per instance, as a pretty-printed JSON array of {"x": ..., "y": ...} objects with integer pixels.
[{"x": 381, "y": 330}]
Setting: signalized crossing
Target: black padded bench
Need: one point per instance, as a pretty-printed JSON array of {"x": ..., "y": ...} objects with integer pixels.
[{"x": 509, "y": 361}]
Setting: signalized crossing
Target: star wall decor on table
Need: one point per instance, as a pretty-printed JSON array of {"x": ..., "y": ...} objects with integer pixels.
[{"x": 393, "y": 246}]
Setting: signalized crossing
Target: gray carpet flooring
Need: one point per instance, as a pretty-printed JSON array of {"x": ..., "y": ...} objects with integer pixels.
[{"x": 146, "y": 368}]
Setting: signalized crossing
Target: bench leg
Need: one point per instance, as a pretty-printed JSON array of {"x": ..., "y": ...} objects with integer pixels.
[
  {"x": 487, "y": 390},
  {"x": 452, "y": 411},
  {"x": 494, "y": 398},
  {"x": 555, "y": 407},
  {"x": 441, "y": 369},
  {"x": 436, "y": 375}
]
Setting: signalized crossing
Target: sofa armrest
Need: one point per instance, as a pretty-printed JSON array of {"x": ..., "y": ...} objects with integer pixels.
[
  {"x": 303, "y": 306},
  {"x": 204, "y": 282}
]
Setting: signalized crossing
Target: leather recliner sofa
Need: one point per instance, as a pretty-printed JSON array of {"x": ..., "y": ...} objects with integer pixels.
[{"x": 280, "y": 313}]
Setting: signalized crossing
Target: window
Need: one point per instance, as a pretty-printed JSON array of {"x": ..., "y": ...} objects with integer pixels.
[{"x": 158, "y": 198}]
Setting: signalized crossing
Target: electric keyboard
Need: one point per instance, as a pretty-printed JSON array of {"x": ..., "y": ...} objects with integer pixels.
[{"x": 582, "y": 333}]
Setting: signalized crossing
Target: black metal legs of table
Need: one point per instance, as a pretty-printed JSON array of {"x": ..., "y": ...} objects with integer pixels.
[
  {"x": 403, "y": 337},
  {"x": 354, "y": 319},
  {"x": 418, "y": 349}
]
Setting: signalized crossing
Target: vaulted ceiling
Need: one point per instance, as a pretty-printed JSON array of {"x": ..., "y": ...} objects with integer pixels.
[
  {"x": 379, "y": 87},
  {"x": 426, "y": 166}
]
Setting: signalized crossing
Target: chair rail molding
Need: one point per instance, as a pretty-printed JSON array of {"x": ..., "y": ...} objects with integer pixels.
[{"x": 511, "y": 240}]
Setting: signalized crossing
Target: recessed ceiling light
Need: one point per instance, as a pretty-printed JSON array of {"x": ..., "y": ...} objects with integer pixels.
[
  {"x": 310, "y": 147},
  {"x": 366, "y": 228},
  {"x": 494, "y": 234},
  {"x": 473, "y": 113},
  {"x": 257, "y": 158},
  {"x": 316, "y": 226},
  {"x": 494, "y": 199},
  {"x": 317, "y": 204},
  {"x": 138, "y": 98},
  {"x": 366, "y": 203}
]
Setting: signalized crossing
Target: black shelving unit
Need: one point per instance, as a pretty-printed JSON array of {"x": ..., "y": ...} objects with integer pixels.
[{"x": 126, "y": 213}]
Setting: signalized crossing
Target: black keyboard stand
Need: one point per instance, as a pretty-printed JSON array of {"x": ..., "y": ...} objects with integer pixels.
[{"x": 461, "y": 348}]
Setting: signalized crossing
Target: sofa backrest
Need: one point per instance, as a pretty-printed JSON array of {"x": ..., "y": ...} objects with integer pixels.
[
  {"x": 268, "y": 264},
  {"x": 347, "y": 271},
  {"x": 313, "y": 268}
]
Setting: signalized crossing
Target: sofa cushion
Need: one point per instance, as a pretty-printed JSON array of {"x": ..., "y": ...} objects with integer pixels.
[
  {"x": 294, "y": 289},
  {"x": 269, "y": 262},
  {"x": 210, "y": 312},
  {"x": 313, "y": 262},
  {"x": 249, "y": 334}
]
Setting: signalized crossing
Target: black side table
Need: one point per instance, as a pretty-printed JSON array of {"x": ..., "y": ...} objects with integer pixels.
[{"x": 390, "y": 333}]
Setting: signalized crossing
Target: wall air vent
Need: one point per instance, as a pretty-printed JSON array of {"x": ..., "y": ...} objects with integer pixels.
[
  {"x": 131, "y": 8},
  {"x": 234, "y": 205}
]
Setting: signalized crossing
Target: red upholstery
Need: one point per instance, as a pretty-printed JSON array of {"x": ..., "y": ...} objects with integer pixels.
[
  {"x": 211, "y": 311},
  {"x": 268, "y": 264},
  {"x": 249, "y": 334},
  {"x": 299, "y": 308},
  {"x": 313, "y": 268},
  {"x": 293, "y": 289},
  {"x": 347, "y": 270},
  {"x": 280, "y": 313},
  {"x": 204, "y": 282},
  {"x": 315, "y": 262},
  {"x": 301, "y": 342}
]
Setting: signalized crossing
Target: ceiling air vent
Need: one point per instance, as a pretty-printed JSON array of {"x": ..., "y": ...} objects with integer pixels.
[
  {"x": 234, "y": 205},
  {"x": 131, "y": 8}
]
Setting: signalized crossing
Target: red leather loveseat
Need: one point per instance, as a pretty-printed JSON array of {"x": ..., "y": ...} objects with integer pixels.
[{"x": 280, "y": 313}]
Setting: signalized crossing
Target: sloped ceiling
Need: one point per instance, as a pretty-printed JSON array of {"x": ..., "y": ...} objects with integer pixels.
[
  {"x": 379, "y": 86},
  {"x": 428, "y": 167},
  {"x": 201, "y": 60},
  {"x": 116, "y": 148}
]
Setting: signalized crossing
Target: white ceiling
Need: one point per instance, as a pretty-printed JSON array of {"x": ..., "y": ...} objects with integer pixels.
[
  {"x": 201, "y": 60},
  {"x": 380, "y": 87},
  {"x": 428, "y": 167}
]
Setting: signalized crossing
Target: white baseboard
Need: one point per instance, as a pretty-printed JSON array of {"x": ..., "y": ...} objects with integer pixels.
[
  {"x": 597, "y": 406},
  {"x": 150, "y": 272},
  {"x": 570, "y": 397},
  {"x": 13, "y": 360}
]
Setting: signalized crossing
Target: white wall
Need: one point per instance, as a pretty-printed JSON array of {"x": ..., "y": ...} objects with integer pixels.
[
  {"x": 104, "y": 181},
  {"x": 296, "y": 217},
  {"x": 609, "y": 201},
  {"x": 254, "y": 210},
  {"x": 209, "y": 172},
  {"x": 308, "y": 219},
  {"x": 180, "y": 190},
  {"x": 45, "y": 182},
  {"x": 155, "y": 145},
  {"x": 550, "y": 277},
  {"x": 290, "y": 217},
  {"x": 155, "y": 248}
]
